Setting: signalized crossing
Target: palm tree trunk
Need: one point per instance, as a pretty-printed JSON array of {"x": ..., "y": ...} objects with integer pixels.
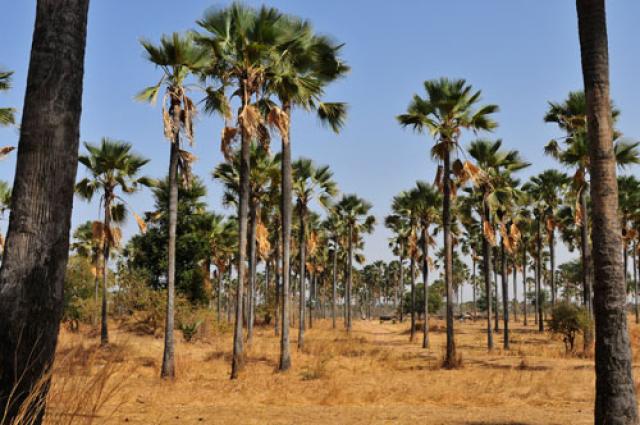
[
  {"x": 96, "y": 294},
  {"x": 237, "y": 361},
  {"x": 219, "y": 298},
  {"x": 303, "y": 261},
  {"x": 635, "y": 282},
  {"x": 615, "y": 390},
  {"x": 505, "y": 295},
  {"x": 539, "y": 305},
  {"x": 37, "y": 244},
  {"x": 413, "y": 298},
  {"x": 473, "y": 286},
  {"x": 276, "y": 298},
  {"x": 168, "y": 357},
  {"x": 285, "y": 210},
  {"x": 515, "y": 291},
  {"x": 401, "y": 283},
  {"x": 349, "y": 280},
  {"x": 334, "y": 284},
  {"x": 451, "y": 358},
  {"x": 496, "y": 295},
  {"x": 106, "y": 247},
  {"x": 486, "y": 265},
  {"x": 524, "y": 281},
  {"x": 552, "y": 260},
  {"x": 251, "y": 299},
  {"x": 425, "y": 279},
  {"x": 312, "y": 295}
]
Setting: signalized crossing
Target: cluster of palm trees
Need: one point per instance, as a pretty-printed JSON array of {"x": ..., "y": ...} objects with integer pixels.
[{"x": 504, "y": 225}]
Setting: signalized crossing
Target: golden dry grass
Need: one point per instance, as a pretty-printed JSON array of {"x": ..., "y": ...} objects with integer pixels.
[{"x": 374, "y": 377}]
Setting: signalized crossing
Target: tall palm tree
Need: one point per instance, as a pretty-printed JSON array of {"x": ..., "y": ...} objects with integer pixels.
[
  {"x": 37, "y": 246},
  {"x": 335, "y": 230},
  {"x": 447, "y": 109},
  {"x": 113, "y": 168},
  {"x": 615, "y": 390},
  {"x": 546, "y": 189},
  {"x": 398, "y": 224},
  {"x": 426, "y": 201},
  {"x": 309, "y": 182},
  {"x": 307, "y": 63},
  {"x": 177, "y": 56},
  {"x": 7, "y": 115},
  {"x": 354, "y": 213}
]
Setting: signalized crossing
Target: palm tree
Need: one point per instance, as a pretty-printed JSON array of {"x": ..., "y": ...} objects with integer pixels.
[
  {"x": 545, "y": 189},
  {"x": 398, "y": 224},
  {"x": 89, "y": 245},
  {"x": 445, "y": 112},
  {"x": 615, "y": 389},
  {"x": 37, "y": 246},
  {"x": 178, "y": 56},
  {"x": 113, "y": 168},
  {"x": 425, "y": 201},
  {"x": 335, "y": 230},
  {"x": 309, "y": 182},
  {"x": 7, "y": 115},
  {"x": 353, "y": 212},
  {"x": 222, "y": 236},
  {"x": 306, "y": 64}
]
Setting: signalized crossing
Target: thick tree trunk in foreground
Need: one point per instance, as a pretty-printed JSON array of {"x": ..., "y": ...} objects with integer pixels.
[
  {"x": 37, "y": 245},
  {"x": 168, "y": 357},
  {"x": 615, "y": 390},
  {"x": 285, "y": 213},
  {"x": 585, "y": 253}
]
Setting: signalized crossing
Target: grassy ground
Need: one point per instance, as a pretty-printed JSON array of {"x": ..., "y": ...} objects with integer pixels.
[{"x": 375, "y": 377}]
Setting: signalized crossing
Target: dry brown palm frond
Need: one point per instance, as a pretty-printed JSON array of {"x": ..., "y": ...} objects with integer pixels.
[
  {"x": 141, "y": 224},
  {"x": 228, "y": 136},
  {"x": 550, "y": 224},
  {"x": 279, "y": 119},
  {"x": 579, "y": 214},
  {"x": 188, "y": 112},
  {"x": 184, "y": 163},
  {"x": 438, "y": 180},
  {"x": 249, "y": 120},
  {"x": 413, "y": 245},
  {"x": 514, "y": 234},
  {"x": 489, "y": 233},
  {"x": 166, "y": 121},
  {"x": 115, "y": 236},
  {"x": 97, "y": 229},
  {"x": 262, "y": 240}
]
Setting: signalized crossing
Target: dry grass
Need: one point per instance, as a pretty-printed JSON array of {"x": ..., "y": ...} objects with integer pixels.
[{"x": 373, "y": 377}]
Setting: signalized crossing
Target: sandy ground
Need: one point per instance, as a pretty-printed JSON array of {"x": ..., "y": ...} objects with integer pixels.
[{"x": 374, "y": 377}]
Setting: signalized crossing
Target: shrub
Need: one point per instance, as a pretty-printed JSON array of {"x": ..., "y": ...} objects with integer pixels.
[
  {"x": 569, "y": 320},
  {"x": 189, "y": 329}
]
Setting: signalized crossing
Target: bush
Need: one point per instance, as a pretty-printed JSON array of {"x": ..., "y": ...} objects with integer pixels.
[
  {"x": 189, "y": 329},
  {"x": 569, "y": 320},
  {"x": 435, "y": 300}
]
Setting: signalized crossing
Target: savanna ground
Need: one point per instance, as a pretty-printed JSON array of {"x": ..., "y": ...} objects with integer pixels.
[{"x": 375, "y": 377}]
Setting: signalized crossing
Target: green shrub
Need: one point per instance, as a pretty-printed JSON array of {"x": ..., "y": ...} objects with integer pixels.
[
  {"x": 569, "y": 320},
  {"x": 189, "y": 329}
]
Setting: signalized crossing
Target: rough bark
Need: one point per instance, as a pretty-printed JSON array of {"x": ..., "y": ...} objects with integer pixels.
[
  {"x": 412, "y": 278},
  {"x": 104, "y": 325},
  {"x": 401, "y": 283},
  {"x": 37, "y": 244},
  {"x": 524, "y": 281},
  {"x": 539, "y": 303},
  {"x": 349, "y": 280},
  {"x": 334, "y": 284},
  {"x": 552, "y": 264},
  {"x": 615, "y": 390}
]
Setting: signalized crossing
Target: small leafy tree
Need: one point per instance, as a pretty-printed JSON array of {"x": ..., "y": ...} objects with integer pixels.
[{"x": 569, "y": 320}]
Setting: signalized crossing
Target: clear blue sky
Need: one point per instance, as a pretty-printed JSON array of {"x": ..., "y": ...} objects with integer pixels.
[{"x": 520, "y": 53}]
